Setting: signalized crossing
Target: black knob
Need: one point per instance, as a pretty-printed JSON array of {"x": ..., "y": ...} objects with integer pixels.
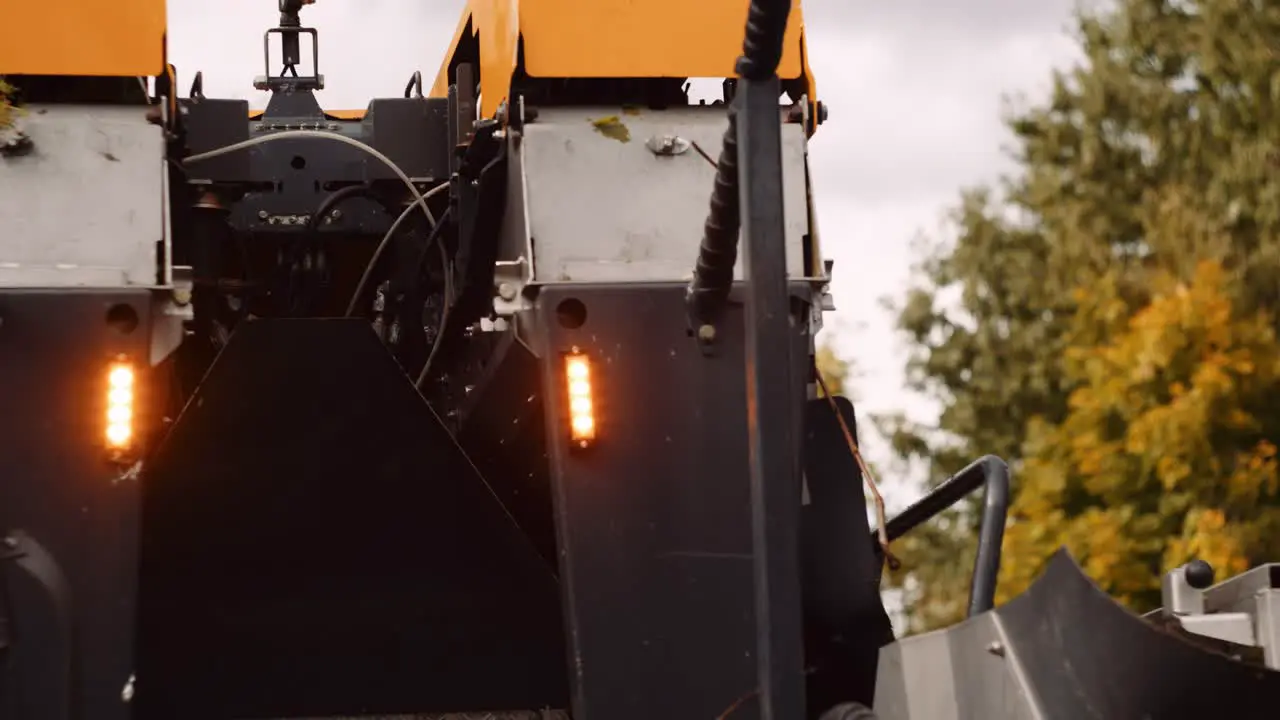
[{"x": 1199, "y": 574}]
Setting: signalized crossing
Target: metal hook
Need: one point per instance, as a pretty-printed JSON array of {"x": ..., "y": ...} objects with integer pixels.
[{"x": 414, "y": 88}]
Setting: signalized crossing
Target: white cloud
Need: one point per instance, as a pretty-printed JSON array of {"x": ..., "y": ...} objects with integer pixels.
[
  {"x": 915, "y": 103},
  {"x": 368, "y": 48}
]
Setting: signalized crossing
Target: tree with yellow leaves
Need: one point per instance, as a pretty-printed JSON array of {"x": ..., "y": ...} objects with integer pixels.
[
  {"x": 6, "y": 106},
  {"x": 1103, "y": 318},
  {"x": 833, "y": 368},
  {"x": 1167, "y": 452}
]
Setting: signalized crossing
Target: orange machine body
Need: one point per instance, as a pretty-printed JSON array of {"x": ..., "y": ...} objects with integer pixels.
[{"x": 91, "y": 37}]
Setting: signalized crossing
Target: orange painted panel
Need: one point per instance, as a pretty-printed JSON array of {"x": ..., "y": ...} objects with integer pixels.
[
  {"x": 611, "y": 38},
  {"x": 83, "y": 37},
  {"x": 653, "y": 38}
]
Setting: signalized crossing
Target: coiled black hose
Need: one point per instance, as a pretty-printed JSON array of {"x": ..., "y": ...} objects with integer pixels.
[
  {"x": 713, "y": 274},
  {"x": 762, "y": 47}
]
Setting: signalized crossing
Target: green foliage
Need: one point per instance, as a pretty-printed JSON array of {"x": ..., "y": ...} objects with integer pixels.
[
  {"x": 1165, "y": 453},
  {"x": 835, "y": 370},
  {"x": 1151, "y": 167},
  {"x": 6, "y": 107}
]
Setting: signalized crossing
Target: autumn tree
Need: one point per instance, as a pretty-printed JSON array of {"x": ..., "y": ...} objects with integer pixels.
[
  {"x": 5, "y": 106},
  {"x": 7, "y": 110},
  {"x": 834, "y": 369},
  {"x": 1173, "y": 109},
  {"x": 1167, "y": 451}
]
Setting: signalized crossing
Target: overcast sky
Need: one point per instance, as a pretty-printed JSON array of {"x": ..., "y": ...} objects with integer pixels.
[{"x": 914, "y": 87}]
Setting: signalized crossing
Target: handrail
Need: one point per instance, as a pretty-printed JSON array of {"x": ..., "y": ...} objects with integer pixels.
[{"x": 990, "y": 472}]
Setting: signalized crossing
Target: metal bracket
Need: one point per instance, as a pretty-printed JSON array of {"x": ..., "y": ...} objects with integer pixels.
[
  {"x": 510, "y": 278},
  {"x": 414, "y": 88},
  {"x": 289, "y": 41}
]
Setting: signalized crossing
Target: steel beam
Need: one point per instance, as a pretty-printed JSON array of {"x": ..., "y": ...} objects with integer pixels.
[{"x": 772, "y": 444}]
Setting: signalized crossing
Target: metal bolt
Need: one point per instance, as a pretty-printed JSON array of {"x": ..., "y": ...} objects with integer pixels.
[
  {"x": 336, "y": 214},
  {"x": 822, "y": 113},
  {"x": 263, "y": 214},
  {"x": 707, "y": 333},
  {"x": 996, "y": 648},
  {"x": 507, "y": 292}
]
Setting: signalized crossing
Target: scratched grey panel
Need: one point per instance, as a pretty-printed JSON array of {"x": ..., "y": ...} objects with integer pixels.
[
  {"x": 86, "y": 207},
  {"x": 601, "y": 209}
]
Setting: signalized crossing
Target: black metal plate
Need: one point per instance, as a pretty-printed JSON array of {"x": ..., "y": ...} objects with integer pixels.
[
  {"x": 414, "y": 133},
  {"x": 211, "y": 124},
  {"x": 317, "y": 544},
  {"x": 845, "y": 619},
  {"x": 1087, "y": 657},
  {"x": 504, "y": 433},
  {"x": 654, "y": 520},
  {"x": 57, "y": 487}
]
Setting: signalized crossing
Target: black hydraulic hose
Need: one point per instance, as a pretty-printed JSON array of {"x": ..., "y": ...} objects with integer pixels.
[
  {"x": 762, "y": 46},
  {"x": 337, "y": 197},
  {"x": 718, "y": 254},
  {"x": 309, "y": 239},
  {"x": 992, "y": 473}
]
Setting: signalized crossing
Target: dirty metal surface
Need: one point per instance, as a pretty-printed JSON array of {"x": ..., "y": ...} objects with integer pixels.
[
  {"x": 86, "y": 206},
  {"x": 603, "y": 206}
]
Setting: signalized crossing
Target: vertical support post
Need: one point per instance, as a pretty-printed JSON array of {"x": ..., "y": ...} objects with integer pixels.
[{"x": 772, "y": 444}]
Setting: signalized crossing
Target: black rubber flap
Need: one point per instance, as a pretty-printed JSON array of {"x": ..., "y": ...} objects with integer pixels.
[
  {"x": 505, "y": 435},
  {"x": 845, "y": 619},
  {"x": 315, "y": 543},
  {"x": 1087, "y": 657}
]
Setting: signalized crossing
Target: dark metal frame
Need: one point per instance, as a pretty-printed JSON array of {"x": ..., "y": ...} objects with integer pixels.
[
  {"x": 657, "y": 556},
  {"x": 68, "y": 516},
  {"x": 772, "y": 444}
]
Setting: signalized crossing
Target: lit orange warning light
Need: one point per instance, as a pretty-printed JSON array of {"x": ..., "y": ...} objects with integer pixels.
[
  {"x": 582, "y": 419},
  {"x": 120, "y": 396}
]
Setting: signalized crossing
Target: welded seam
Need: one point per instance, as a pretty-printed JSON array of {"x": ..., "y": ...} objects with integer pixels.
[{"x": 1017, "y": 670}]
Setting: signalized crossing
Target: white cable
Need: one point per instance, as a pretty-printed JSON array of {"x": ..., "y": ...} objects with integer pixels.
[
  {"x": 386, "y": 240},
  {"x": 421, "y": 200}
]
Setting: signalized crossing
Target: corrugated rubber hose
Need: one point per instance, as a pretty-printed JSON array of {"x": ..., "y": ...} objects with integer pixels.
[{"x": 718, "y": 254}]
